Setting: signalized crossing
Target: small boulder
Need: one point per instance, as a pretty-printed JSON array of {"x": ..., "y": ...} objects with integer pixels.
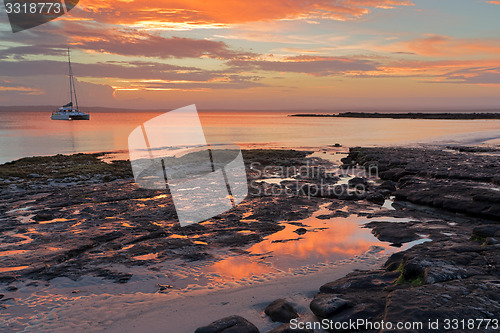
[
  {"x": 281, "y": 310},
  {"x": 232, "y": 324},
  {"x": 326, "y": 305}
]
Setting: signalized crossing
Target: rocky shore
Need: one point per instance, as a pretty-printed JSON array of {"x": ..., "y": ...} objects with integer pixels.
[
  {"x": 452, "y": 281},
  {"x": 75, "y": 216}
]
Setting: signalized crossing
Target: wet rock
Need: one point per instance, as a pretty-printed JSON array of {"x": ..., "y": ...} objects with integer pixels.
[
  {"x": 326, "y": 305},
  {"x": 281, "y": 310},
  {"x": 485, "y": 231},
  {"x": 392, "y": 232},
  {"x": 285, "y": 328},
  {"x": 232, "y": 324},
  {"x": 300, "y": 231},
  {"x": 376, "y": 198},
  {"x": 46, "y": 215}
]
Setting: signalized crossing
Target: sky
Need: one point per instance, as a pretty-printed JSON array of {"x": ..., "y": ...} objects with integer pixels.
[{"x": 260, "y": 54}]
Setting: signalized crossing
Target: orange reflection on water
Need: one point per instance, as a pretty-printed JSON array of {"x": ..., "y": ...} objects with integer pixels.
[{"x": 325, "y": 241}]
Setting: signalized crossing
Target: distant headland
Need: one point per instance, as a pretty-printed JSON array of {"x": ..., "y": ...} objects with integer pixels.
[{"x": 419, "y": 115}]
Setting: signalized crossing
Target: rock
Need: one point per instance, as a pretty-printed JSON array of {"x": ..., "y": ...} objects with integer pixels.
[
  {"x": 376, "y": 198},
  {"x": 415, "y": 267},
  {"x": 232, "y": 324},
  {"x": 46, "y": 215},
  {"x": 441, "y": 273},
  {"x": 34, "y": 175},
  {"x": 394, "y": 261},
  {"x": 360, "y": 312},
  {"x": 394, "y": 174},
  {"x": 360, "y": 281},
  {"x": 392, "y": 232},
  {"x": 357, "y": 181},
  {"x": 300, "y": 231},
  {"x": 492, "y": 241},
  {"x": 388, "y": 185},
  {"x": 285, "y": 328},
  {"x": 484, "y": 231},
  {"x": 326, "y": 305},
  {"x": 11, "y": 288},
  {"x": 347, "y": 160},
  {"x": 281, "y": 310},
  {"x": 337, "y": 145}
]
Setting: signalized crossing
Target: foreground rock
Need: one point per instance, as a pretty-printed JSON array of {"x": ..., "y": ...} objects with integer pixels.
[
  {"x": 281, "y": 310},
  {"x": 232, "y": 324}
]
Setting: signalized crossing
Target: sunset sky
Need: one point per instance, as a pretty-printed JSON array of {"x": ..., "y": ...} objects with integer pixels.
[{"x": 261, "y": 54}]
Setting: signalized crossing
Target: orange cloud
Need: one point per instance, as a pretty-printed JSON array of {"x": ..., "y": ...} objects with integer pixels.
[
  {"x": 437, "y": 45},
  {"x": 220, "y": 12}
]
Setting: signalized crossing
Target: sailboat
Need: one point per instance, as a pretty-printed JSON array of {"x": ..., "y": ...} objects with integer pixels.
[{"x": 70, "y": 111}]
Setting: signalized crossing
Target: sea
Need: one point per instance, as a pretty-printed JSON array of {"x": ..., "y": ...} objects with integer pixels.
[{"x": 24, "y": 134}]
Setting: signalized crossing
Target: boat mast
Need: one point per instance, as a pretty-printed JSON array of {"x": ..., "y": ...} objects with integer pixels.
[{"x": 72, "y": 82}]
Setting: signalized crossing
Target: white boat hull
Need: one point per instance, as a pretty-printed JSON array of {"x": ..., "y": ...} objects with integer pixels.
[{"x": 61, "y": 115}]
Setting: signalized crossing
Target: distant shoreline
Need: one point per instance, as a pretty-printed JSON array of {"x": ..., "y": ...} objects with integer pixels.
[{"x": 419, "y": 115}]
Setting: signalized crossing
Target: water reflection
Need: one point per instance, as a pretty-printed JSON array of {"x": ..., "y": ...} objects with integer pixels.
[{"x": 330, "y": 240}]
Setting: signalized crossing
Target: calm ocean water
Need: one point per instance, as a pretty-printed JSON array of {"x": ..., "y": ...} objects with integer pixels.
[{"x": 33, "y": 133}]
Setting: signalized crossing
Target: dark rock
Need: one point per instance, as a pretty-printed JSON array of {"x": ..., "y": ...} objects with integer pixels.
[
  {"x": 444, "y": 272},
  {"x": 34, "y": 175},
  {"x": 360, "y": 312},
  {"x": 326, "y": 305},
  {"x": 281, "y": 310},
  {"x": 388, "y": 185},
  {"x": 300, "y": 231},
  {"x": 232, "y": 324},
  {"x": 11, "y": 288},
  {"x": 285, "y": 328},
  {"x": 357, "y": 181},
  {"x": 394, "y": 261},
  {"x": 46, "y": 215},
  {"x": 360, "y": 281},
  {"x": 392, "y": 232},
  {"x": 492, "y": 241},
  {"x": 394, "y": 174},
  {"x": 485, "y": 231},
  {"x": 376, "y": 198}
]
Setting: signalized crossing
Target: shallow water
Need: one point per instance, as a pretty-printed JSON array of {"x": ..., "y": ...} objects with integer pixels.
[{"x": 33, "y": 133}]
